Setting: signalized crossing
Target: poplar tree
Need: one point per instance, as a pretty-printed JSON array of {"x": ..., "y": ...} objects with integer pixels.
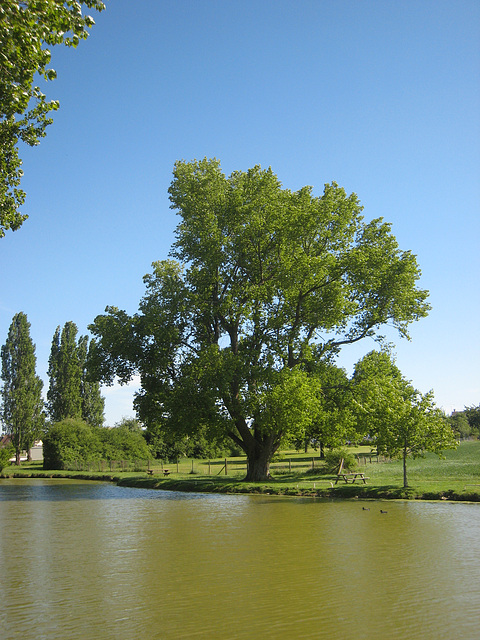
[
  {"x": 21, "y": 398},
  {"x": 93, "y": 404},
  {"x": 70, "y": 394},
  {"x": 64, "y": 400}
]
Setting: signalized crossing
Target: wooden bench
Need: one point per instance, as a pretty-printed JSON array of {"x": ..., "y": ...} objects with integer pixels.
[
  {"x": 150, "y": 472},
  {"x": 351, "y": 477},
  {"x": 166, "y": 472}
]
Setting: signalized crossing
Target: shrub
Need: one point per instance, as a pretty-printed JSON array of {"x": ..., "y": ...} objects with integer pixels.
[
  {"x": 69, "y": 441},
  {"x": 74, "y": 441},
  {"x": 123, "y": 443},
  {"x": 5, "y": 454},
  {"x": 334, "y": 458}
]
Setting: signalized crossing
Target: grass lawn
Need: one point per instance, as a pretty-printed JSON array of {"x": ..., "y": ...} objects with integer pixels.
[{"x": 456, "y": 477}]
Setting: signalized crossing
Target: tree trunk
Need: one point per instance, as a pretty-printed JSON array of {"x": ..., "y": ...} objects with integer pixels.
[
  {"x": 258, "y": 458},
  {"x": 17, "y": 456},
  {"x": 405, "y": 483}
]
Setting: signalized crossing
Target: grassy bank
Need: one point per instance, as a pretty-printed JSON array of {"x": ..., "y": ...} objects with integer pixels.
[{"x": 457, "y": 477}]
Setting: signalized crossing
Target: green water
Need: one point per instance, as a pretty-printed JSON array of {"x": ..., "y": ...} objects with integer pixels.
[{"x": 82, "y": 560}]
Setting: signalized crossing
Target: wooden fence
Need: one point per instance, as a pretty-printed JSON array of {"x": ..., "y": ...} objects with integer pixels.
[{"x": 225, "y": 466}]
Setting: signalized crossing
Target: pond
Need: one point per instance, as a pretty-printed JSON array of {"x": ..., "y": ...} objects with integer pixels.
[{"x": 84, "y": 560}]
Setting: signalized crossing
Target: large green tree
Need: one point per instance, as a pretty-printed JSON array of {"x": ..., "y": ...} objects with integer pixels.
[
  {"x": 400, "y": 420},
  {"x": 27, "y": 32},
  {"x": 264, "y": 283},
  {"x": 21, "y": 400},
  {"x": 70, "y": 393}
]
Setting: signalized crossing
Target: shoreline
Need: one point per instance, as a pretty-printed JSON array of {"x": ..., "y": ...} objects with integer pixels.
[{"x": 203, "y": 485}]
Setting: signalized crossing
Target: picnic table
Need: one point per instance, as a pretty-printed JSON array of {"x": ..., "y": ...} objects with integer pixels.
[
  {"x": 351, "y": 477},
  {"x": 166, "y": 472}
]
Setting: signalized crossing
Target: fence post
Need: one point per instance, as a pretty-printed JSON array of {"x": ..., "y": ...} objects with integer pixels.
[
  {"x": 192, "y": 465},
  {"x": 290, "y": 465},
  {"x": 209, "y": 467},
  {"x": 313, "y": 463},
  {"x": 177, "y": 465},
  {"x": 226, "y": 468}
]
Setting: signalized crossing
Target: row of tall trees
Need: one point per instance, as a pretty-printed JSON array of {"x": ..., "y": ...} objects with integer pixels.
[
  {"x": 71, "y": 394},
  {"x": 23, "y": 411}
]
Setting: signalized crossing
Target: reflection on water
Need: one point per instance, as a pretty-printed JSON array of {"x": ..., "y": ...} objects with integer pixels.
[{"x": 92, "y": 560}]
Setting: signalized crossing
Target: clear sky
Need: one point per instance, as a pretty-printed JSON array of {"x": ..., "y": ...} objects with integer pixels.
[{"x": 380, "y": 96}]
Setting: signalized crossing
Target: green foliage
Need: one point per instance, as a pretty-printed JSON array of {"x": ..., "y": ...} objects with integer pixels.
[
  {"x": 334, "y": 423},
  {"x": 460, "y": 426},
  {"x": 27, "y": 31},
  {"x": 93, "y": 404},
  {"x": 473, "y": 416},
  {"x": 163, "y": 448},
  {"x": 74, "y": 441},
  {"x": 169, "y": 446},
  {"x": 123, "y": 443},
  {"x": 402, "y": 421},
  {"x": 334, "y": 457},
  {"x": 274, "y": 283},
  {"x": 5, "y": 454},
  {"x": 71, "y": 394},
  {"x": 21, "y": 408},
  {"x": 68, "y": 441},
  {"x": 64, "y": 399},
  {"x": 129, "y": 424}
]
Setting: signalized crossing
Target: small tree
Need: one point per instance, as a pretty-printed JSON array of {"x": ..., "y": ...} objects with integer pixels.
[
  {"x": 402, "y": 421},
  {"x": 21, "y": 400}
]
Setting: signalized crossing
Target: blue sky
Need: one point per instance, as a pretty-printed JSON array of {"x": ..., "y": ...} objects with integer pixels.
[{"x": 380, "y": 96}]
